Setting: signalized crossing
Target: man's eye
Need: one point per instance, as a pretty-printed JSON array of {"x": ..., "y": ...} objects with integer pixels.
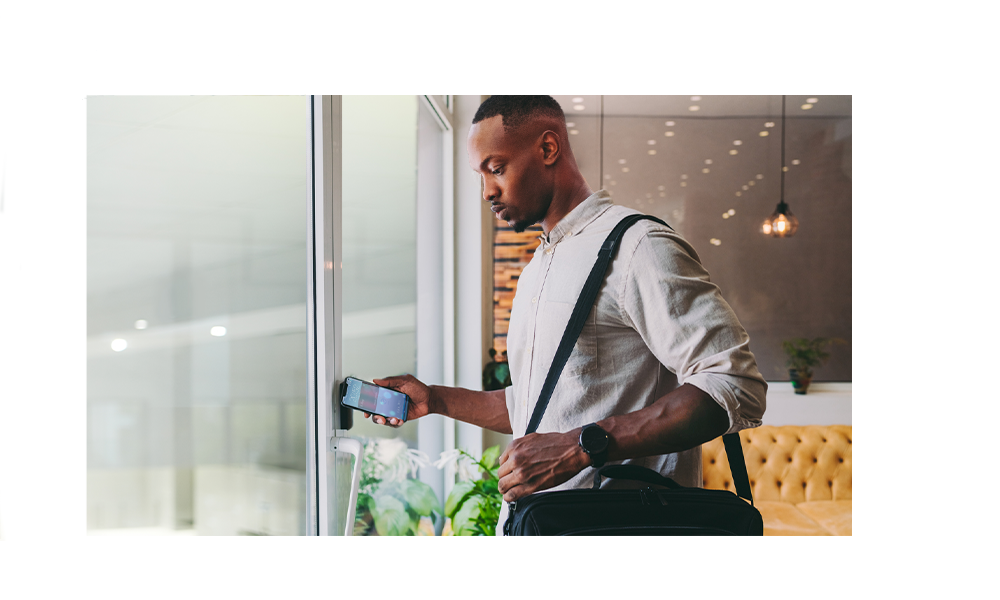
[{"x": 497, "y": 171}]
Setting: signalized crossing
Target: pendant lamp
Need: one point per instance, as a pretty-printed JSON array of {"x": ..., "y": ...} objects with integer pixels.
[{"x": 782, "y": 223}]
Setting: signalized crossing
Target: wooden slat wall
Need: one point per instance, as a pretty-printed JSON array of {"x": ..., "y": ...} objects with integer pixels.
[{"x": 511, "y": 252}]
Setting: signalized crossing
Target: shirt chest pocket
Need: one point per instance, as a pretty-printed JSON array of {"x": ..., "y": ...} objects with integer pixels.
[{"x": 553, "y": 317}]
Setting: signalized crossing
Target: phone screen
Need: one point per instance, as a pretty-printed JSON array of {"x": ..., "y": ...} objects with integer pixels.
[{"x": 373, "y": 399}]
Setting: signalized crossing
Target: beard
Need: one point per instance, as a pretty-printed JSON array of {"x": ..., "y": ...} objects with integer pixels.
[{"x": 520, "y": 225}]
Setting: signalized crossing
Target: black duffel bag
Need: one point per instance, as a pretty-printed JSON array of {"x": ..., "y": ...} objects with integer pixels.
[{"x": 676, "y": 510}]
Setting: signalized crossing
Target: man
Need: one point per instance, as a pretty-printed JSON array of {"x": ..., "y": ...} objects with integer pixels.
[{"x": 662, "y": 365}]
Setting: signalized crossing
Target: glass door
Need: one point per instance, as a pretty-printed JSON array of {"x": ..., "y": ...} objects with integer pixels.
[{"x": 389, "y": 232}]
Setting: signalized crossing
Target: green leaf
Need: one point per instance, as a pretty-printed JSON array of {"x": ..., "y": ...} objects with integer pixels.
[
  {"x": 489, "y": 487},
  {"x": 390, "y": 516},
  {"x": 490, "y": 456},
  {"x": 463, "y": 523},
  {"x": 457, "y": 497},
  {"x": 421, "y": 497}
]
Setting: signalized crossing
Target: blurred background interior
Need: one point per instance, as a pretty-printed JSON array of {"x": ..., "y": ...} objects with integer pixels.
[{"x": 198, "y": 265}]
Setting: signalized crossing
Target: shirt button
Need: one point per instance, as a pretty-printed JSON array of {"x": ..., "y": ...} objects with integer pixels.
[
  {"x": 534, "y": 300},
  {"x": 549, "y": 251}
]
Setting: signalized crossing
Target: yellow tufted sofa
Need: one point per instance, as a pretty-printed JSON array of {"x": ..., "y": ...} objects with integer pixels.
[{"x": 800, "y": 476}]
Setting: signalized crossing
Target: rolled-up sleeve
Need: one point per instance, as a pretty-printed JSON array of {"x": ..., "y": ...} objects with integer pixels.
[{"x": 669, "y": 300}]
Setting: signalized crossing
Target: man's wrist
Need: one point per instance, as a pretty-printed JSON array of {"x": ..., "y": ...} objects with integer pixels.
[{"x": 435, "y": 405}]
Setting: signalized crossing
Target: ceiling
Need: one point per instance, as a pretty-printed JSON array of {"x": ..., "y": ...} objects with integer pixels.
[{"x": 707, "y": 106}]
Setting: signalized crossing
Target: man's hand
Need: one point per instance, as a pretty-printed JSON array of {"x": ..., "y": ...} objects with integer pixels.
[
  {"x": 540, "y": 461},
  {"x": 420, "y": 398}
]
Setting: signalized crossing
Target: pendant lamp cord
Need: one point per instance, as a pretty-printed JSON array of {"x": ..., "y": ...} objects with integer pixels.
[
  {"x": 600, "y": 174},
  {"x": 782, "y": 149}
]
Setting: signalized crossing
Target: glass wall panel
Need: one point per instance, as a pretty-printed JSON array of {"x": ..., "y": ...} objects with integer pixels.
[{"x": 197, "y": 266}]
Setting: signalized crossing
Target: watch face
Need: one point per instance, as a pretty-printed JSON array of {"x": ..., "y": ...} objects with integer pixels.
[{"x": 594, "y": 439}]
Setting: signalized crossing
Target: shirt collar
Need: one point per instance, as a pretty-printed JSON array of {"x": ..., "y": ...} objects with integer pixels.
[{"x": 579, "y": 217}]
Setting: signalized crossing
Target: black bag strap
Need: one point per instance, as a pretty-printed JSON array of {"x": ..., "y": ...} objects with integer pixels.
[{"x": 734, "y": 452}]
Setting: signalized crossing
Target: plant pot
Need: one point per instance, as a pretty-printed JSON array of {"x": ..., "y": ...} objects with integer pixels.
[{"x": 800, "y": 381}]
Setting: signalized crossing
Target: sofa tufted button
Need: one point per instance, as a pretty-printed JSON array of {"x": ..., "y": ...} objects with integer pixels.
[
  {"x": 712, "y": 461},
  {"x": 830, "y": 483},
  {"x": 789, "y": 459},
  {"x": 763, "y": 460},
  {"x": 824, "y": 440},
  {"x": 841, "y": 460},
  {"x": 779, "y": 484},
  {"x": 815, "y": 459}
]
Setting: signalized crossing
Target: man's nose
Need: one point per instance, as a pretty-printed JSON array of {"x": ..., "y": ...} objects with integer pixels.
[{"x": 490, "y": 193}]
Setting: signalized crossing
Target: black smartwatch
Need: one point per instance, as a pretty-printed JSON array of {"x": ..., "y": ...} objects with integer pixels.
[{"x": 594, "y": 442}]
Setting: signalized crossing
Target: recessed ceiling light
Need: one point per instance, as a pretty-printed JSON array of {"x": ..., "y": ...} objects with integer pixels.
[
  {"x": 669, "y": 133},
  {"x": 763, "y": 134},
  {"x": 577, "y": 100},
  {"x": 737, "y": 142},
  {"x": 739, "y": 193},
  {"x": 684, "y": 176},
  {"x": 570, "y": 124},
  {"x": 746, "y": 187},
  {"x": 683, "y": 183},
  {"x": 732, "y": 212},
  {"x": 695, "y": 98},
  {"x": 734, "y": 151},
  {"x": 651, "y": 142},
  {"x": 621, "y": 161},
  {"x": 725, "y": 215},
  {"x": 141, "y": 324},
  {"x": 806, "y": 106},
  {"x": 796, "y": 161},
  {"x": 578, "y": 107},
  {"x": 607, "y": 176},
  {"x": 705, "y": 170},
  {"x": 218, "y": 331},
  {"x": 715, "y": 241},
  {"x": 784, "y": 168},
  {"x": 769, "y": 124},
  {"x": 661, "y": 187},
  {"x": 759, "y": 176},
  {"x": 812, "y": 100},
  {"x": 624, "y": 169},
  {"x": 118, "y": 345},
  {"x": 669, "y": 123},
  {"x": 708, "y": 161},
  {"x": 751, "y": 182},
  {"x": 651, "y": 152},
  {"x": 574, "y": 131},
  {"x": 694, "y": 108}
]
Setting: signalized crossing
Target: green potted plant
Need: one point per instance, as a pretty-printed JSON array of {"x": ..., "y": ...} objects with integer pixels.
[
  {"x": 390, "y": 501},
  {"x": 803, "y": 355},
  {"x": 474, "y": 503}
]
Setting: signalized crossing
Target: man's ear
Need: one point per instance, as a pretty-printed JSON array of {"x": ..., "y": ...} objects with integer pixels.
[{"x": 551, "y": 147}]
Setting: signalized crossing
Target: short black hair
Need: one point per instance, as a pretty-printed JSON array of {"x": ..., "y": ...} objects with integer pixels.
[{"x": 515, "y": 110}]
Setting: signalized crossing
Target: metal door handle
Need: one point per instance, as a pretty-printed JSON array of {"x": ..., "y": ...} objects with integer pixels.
[{"x": 355, "y": 447}]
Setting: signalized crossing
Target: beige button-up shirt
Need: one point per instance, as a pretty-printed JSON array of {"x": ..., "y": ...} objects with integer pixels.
[{"x": 658, "y": 323}]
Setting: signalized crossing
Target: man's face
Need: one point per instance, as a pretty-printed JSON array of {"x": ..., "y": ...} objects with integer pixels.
[{"x": 515, "y": 181}]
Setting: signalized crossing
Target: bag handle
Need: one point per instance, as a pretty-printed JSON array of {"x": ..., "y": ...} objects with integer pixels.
[
  {"x": 636, "y": 473},
  {"x": 734, "y": 451}
]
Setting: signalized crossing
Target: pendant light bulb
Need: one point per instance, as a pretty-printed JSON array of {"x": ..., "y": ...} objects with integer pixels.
[{"x": 781, "y": 224}]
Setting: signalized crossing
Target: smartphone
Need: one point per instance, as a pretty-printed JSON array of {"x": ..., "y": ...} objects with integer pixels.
[{"x": 374, "y": 399}]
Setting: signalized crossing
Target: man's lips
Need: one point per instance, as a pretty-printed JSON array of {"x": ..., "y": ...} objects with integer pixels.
[{"x": 496, "y": 207}]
